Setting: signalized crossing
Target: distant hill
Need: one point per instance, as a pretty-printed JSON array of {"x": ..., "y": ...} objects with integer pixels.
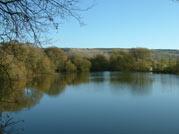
[
  {"x": 165, "y": 53},
  {"x": 91, "y": 52}
]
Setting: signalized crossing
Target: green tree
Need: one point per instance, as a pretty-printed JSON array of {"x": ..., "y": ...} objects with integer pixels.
[
  {"x": 142, "y": 58},
  {"x": 18, "y": 60},
  {"x": 99, "y": 63},
  {"x": 69, "y": 67},
  {"x": 57, "y": 56},
  {"x": 38, "y": 63},
  {"x": 121, "y": 60},
  {"x": 141, "y": 53},
  {"x": 82, "y": 64}
]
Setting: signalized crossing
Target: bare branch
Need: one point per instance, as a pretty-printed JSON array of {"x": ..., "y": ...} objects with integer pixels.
[{"x": 28, "y": 20}]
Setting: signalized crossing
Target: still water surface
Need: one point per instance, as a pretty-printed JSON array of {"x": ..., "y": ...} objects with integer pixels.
[{"x": 91, "y": 103}]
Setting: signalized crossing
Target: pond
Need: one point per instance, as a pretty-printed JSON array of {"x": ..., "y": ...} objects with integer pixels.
[{"x": 91, "y": 103}]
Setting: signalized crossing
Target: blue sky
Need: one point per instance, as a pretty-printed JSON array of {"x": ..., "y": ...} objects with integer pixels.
[{"x": 123, "y": 24}]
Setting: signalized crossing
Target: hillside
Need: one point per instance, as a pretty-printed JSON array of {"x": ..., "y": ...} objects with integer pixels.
[{"x": 91, "y": 52}]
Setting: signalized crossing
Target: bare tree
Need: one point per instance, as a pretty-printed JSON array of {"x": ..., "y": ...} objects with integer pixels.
[{"x": 27, "y": 20}]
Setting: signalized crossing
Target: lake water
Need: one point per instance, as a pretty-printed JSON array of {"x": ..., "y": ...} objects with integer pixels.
[{"x": 91, "y": 103}]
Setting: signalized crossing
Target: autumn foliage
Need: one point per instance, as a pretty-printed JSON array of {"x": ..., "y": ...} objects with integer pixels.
[{"x": 18, "y": 60}]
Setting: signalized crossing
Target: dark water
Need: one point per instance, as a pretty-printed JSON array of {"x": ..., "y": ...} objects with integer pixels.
[{"x": 95, "y": 103}]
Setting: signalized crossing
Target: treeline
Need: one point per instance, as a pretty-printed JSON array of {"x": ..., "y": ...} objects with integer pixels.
[
  {"x": 134, "y": 60},
  {"x": 18, "y": 60}
]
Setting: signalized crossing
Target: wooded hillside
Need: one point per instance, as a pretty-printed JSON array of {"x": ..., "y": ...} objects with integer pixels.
[{"x": 91, "y": 52}]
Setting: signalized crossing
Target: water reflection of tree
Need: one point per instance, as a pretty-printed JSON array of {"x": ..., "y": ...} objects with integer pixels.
[
  {"x": 26, "y": 93},
  {"x": 137, "y": 83},
  {"x": 169, "y": 82},
  {"x": 48, "y": 84},
  {"x": 74, "y": 78},
  {"x": 98, "y": 77},
  {"x": 8, "y": 125},
  {"x": 14, "y": 96}
]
